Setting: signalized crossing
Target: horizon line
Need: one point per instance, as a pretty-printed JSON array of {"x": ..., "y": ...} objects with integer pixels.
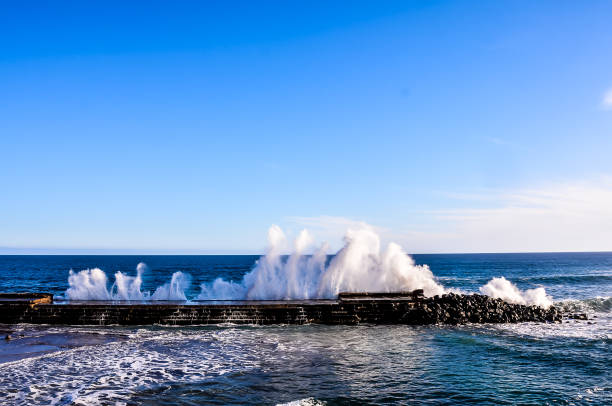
[{"x": 131, "y": 252}]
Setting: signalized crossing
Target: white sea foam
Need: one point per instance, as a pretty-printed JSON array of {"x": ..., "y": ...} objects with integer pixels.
[
  {"x": 501, "y": 288},
  {"x": 92, "y": 284},
  {"x": 304, "y": 402},
  {"x": 113, "y": 372},
  {"x": 133, "y": 368},
  {"x": 359, "y": 266}
]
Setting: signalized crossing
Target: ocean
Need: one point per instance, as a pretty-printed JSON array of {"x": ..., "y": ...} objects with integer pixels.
[{"x": 525, "y": 363}]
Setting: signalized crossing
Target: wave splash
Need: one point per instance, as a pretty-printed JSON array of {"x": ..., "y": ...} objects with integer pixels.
[
  {"x": 92, "y": 284},
  {"x": 359, "y": 266},
  {"x": 501, "y": 288}
]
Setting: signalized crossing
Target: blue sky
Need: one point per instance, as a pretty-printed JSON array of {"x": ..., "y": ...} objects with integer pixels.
[{"x": 193, "y": 126}]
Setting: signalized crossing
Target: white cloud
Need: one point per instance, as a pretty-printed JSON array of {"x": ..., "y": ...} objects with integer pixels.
[
  {"x": 568, "y": 217},
  {"x": 561, "y": 217},
  {"x": 606, "y": 102}
]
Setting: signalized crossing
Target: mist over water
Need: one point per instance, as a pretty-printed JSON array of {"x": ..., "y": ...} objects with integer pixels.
[{"x": 360, "y": 266}]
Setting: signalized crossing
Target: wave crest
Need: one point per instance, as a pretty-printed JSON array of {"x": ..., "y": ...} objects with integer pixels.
[{"x": 595, "y": 304}]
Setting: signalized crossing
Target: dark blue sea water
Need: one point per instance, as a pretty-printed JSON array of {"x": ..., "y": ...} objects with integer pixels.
[{"x": 524, "y": 363}]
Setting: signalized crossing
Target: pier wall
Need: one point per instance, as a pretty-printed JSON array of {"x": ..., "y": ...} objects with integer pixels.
[{"x": 396, "y": 308}]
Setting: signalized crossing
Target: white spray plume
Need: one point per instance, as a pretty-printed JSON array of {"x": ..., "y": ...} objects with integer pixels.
[
  {"x": 175, "y": 289},
  {"x": 92, "y": 284},
  {"x": 128, "y": 287},
  {"x": 501, "y": 288},
  {"x": 89, "y": 284},
  {"x": 359, "y": 266}
]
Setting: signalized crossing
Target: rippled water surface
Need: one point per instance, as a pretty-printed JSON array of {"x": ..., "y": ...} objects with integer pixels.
[{"x": 525, "y": 363}]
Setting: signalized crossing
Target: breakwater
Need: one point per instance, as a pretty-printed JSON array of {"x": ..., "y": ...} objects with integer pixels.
[{"x": 350, "y": 308}]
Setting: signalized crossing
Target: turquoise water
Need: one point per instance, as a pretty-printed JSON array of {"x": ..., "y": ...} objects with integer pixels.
[{"x": 525, "y": 363}]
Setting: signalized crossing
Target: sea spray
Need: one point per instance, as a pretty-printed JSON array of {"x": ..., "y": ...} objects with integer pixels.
[
  {"x": 501, "y": 288},
  {"x": 360, "y": 266},
  {"x": 175, "y": 289},
  {"x": 89, "y": 284},
  {"x": 128, "y": 287},
  {"x": 92, "y": 284}
]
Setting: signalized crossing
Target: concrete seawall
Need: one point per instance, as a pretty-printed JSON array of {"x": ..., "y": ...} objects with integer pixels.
[{"x": 350, "y": 308}]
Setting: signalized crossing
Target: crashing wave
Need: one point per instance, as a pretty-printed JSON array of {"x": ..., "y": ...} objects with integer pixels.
[
  {"x": 92, "y": 284},
  {"x": 360, "y": 266},
  {"x": 501, "y": 288},
  {"x": 595, "y": 304}
]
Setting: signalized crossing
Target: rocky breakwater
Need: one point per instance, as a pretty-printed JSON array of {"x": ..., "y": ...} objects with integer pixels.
[
  {"x": 350, "y": 308},
  {"x": 460, "y": 309}
]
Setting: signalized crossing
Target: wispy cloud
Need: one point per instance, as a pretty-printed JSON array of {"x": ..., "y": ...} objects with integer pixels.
[
  {"x": 566, "y": 217},
  {"x": 327, "y": 222},
  {"x": 498, "y": 141},
  {"x": 558, "y": 217},
  {"x": 606, "y": 102},
  {"x": 504, "y": 143}
]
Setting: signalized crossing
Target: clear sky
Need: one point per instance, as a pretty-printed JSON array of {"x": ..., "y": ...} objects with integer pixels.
[{"x": 450, "y": 126}]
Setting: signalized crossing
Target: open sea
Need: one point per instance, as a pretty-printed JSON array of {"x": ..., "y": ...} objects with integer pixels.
[{"x": 528, "y": 363}]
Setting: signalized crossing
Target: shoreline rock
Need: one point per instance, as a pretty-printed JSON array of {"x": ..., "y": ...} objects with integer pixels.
[{"x": 455, "y": 308}]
